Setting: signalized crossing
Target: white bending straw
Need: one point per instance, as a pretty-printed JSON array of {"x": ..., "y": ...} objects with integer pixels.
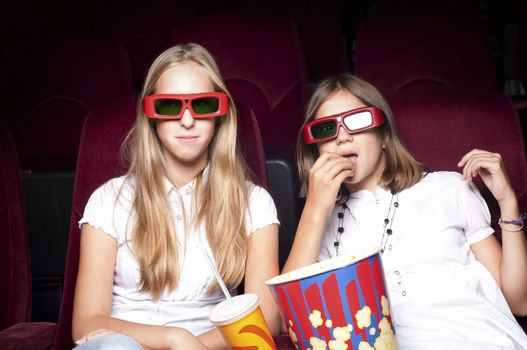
[{"x": 218, "y": 277}]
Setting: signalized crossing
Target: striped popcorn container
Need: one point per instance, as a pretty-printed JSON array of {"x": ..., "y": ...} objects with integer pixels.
[{"x": 340, "y": 303}]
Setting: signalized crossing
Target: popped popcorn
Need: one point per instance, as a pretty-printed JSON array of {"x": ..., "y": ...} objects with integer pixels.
[
  {"x": 329, "y": 323},
  {"x": 316, "y": 318},
  {"x": 317, "y": 344},
  {"x": 385, "y": 306},
  {"x": 365, "y": 346},
  {"x": 386, "y": 339},
  {"x": 385, "y": 325},
  {"x": 338, "y": 344},
  {"x": 341, "y": 333},
  {"x": 363, "y": 317},
  {"x": 373, "y": 331},
  {"x": 292, "y": 333}
]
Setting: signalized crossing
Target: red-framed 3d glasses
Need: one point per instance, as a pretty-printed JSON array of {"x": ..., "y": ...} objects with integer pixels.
[
  {"x": 353, "y": 121},
  {"x": 172, "y": 106}
]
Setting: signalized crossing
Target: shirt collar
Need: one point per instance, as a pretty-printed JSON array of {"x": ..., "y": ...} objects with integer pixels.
[
  {"x": 381, "y": 192},
  {"x": 187, "y": 188}
]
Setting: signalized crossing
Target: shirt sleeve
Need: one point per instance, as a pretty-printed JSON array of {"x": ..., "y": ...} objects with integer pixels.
[
  {"x": 477, "y": 214},
  {"x": 262, "y": 210},
  {"x": 100, "y": 209}
]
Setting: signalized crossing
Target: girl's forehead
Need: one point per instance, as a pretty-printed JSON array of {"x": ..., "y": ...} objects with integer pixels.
[
  {"x": 338, "y": 102},
  {"x": 184, "y": 77}
]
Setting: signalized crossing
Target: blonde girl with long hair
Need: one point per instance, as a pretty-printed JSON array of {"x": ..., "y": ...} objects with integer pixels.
[
  {"x": 450, "y": 283},
  {"x": 143, "y": 279}
]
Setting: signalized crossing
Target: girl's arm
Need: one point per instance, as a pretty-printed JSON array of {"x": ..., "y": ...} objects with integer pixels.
[
  {"x": 261, "y": 265},
  {"x": 93, "y": 298},
  {"x": 507, "y": 263},
  {"x": 325, "y": 178}
]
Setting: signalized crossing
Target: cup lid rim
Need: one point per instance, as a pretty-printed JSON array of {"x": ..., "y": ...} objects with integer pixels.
[{"x": 250, "y": 302}]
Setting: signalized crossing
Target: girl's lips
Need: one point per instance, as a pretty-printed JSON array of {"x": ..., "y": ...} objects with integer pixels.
[
  {"x": 186, "y": 137},
  {"x": 351, "y": 156}
]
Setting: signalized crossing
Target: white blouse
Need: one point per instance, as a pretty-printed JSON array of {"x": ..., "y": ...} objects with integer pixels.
[
  {"x": 441, "y": 296},
  {"x": 188, "y": 306}
]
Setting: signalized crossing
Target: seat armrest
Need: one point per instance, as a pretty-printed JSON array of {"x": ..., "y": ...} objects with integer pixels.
[{"x": 28, "y": 336}]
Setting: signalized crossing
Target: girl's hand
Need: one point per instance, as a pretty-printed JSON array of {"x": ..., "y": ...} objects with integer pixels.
[
  {"x": 325, "y": 178},
  {"x": 492, "y": 171}
]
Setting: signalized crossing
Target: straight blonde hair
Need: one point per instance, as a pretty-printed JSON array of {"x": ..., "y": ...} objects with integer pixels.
[
  {"x": 219, "y": 197},
  {"x": 401, "y": 169}
]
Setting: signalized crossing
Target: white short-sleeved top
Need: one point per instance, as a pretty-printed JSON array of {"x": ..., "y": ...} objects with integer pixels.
[
  {"x": 441, "y": 296},
  {"x": 188, "y": 306}
]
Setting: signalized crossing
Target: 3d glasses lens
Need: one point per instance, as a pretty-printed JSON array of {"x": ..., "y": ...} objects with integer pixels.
[
  {"x": 358, "y": 121},
  {"x": 168, "y": 107},
  {"x": 324, "y": 129},
  {"x": 205, "y": 105}
]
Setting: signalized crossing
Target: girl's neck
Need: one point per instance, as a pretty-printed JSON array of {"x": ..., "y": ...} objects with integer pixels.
[{"x": 181, "y": 174}]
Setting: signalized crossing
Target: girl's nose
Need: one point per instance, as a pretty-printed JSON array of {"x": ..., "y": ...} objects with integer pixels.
[
  {"x": 343, "y": 135},
  {"x": 187, "y": 120}
]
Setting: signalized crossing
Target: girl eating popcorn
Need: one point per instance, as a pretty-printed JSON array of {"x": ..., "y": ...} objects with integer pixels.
[{"x": 449, "y": 280}]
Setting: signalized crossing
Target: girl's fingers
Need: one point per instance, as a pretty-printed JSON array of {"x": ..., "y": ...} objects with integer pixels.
[
  {"x": 482, "y": 161},
  {"x": 470, "y": 154},
  {"x": 330, "y": 164}
]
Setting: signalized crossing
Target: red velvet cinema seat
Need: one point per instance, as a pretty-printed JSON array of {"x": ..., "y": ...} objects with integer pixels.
[
  {"x": 102, "y": 135},
  {"x": 16, "y": 332},
  {"x": 440, "y": 125},
  {"x": 261, "y": 60},
  {"x": 400, "y": 51},
  {"x": 48, "y": 86},
  {"x": 142, "y": 32}
]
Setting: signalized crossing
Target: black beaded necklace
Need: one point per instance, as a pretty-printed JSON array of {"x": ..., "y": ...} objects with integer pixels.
[{"x": 387, "y": 225}]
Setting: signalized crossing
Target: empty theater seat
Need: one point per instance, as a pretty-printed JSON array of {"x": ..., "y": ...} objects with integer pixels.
[
  {"x": 142, "y": 32},
  {"x": 402, "y": 51},
  {"x": 48, "y": 86},
  {"x": 16, "y": 332}
]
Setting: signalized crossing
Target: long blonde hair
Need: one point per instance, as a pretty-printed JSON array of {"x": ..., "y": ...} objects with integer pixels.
[
  {"x": 401, "y": 169},
  {"x": 220, "y": 197}
]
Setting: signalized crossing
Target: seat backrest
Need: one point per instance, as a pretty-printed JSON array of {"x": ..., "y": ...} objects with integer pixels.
[
  {"x": 143, "y": 32},
  {"x": 103, "y": 132},
  {"x": 261, "y": 60},
  {"x": 49, "y": 85},
  {"x": 403, "y": 7},
  {"x": 15, "y": 294},
  {"x": 439, "y": 125},
  {"x": 401, "y": 51},
  {"x": 320, "y": 30}
]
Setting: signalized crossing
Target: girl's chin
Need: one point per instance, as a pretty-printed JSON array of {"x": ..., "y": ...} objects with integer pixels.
[{"x": 349, "y": 181}]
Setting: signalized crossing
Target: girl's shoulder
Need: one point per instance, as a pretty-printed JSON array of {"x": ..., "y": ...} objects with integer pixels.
[
  {"x": 115, "y": 186},
  {"x": 441, "y": 177},
  {"x": 258, "y": 196},
  {"x": 439, "y": 183},
  {"x": 255, "y": 191}
]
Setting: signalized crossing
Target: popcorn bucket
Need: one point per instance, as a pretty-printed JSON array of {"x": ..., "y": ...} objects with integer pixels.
[{"x": 340, "y": 303}]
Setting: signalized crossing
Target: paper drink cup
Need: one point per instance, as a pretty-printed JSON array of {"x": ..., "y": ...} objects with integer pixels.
[
  {"x": 243, "y": 325},
  {"x": 339, "y": 303}
]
